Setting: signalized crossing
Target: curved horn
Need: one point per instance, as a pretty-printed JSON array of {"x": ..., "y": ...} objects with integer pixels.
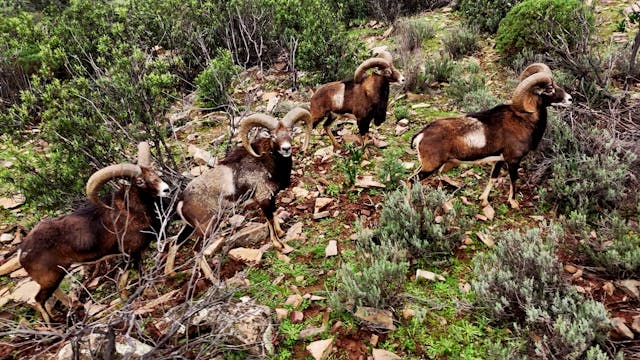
[
  {"x": 296, "y": 115},
  {"x": 250, "y": 122},
  {"x": 100, "y": 177},
  {"x": 384, "y": 54},
  {"x": 368, "y": 64},
  {"x": 533, "y": 69},
  {"x": 144, "y": 154},
  {"x": 523, "y": 98}
]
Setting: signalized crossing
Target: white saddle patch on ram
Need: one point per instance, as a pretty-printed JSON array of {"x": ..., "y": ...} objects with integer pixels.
[
  {"x": 227, "y": 186},
  {"x": 337, "y": 98}
]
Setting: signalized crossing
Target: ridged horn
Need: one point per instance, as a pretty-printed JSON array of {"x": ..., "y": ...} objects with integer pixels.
[
  {"x": 144, "y": 154},
  {"x": 533, "y": 69},
  {"x": 296, "y": 115},
  {"x": 368, "y": 64},
  {"x": 100, "y": 177},
  {"x": 523, "y": 99},
  {"x": 250, "y": 122},
  {"x": 385, "y": 55}
]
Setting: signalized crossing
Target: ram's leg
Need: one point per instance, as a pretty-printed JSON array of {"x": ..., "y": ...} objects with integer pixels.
[
  {"x": 495, "y": 172},
  {"x": 513, "y": 176},
  {"x": 327, "y": 129},
  {"x": 268, "y": 208}
]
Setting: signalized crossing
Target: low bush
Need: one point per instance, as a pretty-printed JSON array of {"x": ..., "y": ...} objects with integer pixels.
[
  {"x": 519, "y": 282},
  {"x": 461, "y": 42},
  {"x": 411, "y": 33},
  {"x": 213, "y": 83},
  {"x": 529, "y": 24},
  {"x": 440, "y": 68},
  {"x": 465, "y": 81},
  {"x": 392, "y": 171},
  {"x": 479, "y": 100},
  {"x": 485, "y": 14}
]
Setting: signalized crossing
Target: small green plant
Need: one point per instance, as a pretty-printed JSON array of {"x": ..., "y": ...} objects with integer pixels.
[
  {"x": 440, "y": 68},
  {"x": 290, "y": 332},
  {"x": 333, "y": 189},
  {"x": 466, "y": 80},
  {"x": 392, "y": 171},
  {"x": 461, "y": 42},
  {"x": 349, "y": 165},
  {"x": 214, "y": 81},
  {"x": 413, "y": 32},
  {"x": 401, "y": 112}
]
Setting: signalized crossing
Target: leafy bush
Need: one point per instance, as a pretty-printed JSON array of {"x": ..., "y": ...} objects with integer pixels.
[
  {"x": 520, "y": 282},
  {"x": 479, "y": 100},
  {"x": 440, "y": 68},
  {"x": 529, "y": 23},
  {"x": 462, "y": 41},
  {"x": 214, "y": 81},
  {"x": 465, "y": 81},
  {"x": 349, "y": 165},
  {"x": 485, "y": 14},
  {"x": 414, "y": 222},
  {"x": 391, "y": 170}
]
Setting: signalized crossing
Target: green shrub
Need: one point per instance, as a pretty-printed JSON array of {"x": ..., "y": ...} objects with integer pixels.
[
  {"x": 349, "y": 165},
  {"x": 532, "y": 22},
  {"x": 465, "y": 81},
  {"x": 214, "y": 82},
  {"x": 461, "y": 42},
  {"x": 519, "y": 281},
  {"x": 440, "y": 68},
  {"x": 411, "y": 33},
  {"x": 485, "y": 14},
  {"x": 392, "y": 170},
  {"x": 615, "y": 247},
  {"x": 479, "y": 100},
  {"x": 414, "y": 223}
]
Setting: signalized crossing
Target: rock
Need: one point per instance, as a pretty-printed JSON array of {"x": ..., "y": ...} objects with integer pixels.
[
  {"x": 311, "y": 332},
  {"x": 408, "y": 313},
  {"x": 400, "y": 130},
  {"x": 273, "y": 101},
  {"x": 635, "y": 325},
  {"x": 486, "y": 239},
  {"x": 281, "y": 314},
  {"x": 428, "y": 275},
  {"x": 25, "y": 291},
  {"x": 295, "y": 232},
  {"x": 300, "y": 192},
  {"x": 570, "y": 269},
  {"x": 336, "y": 327},
  {"x": 324, "y": 153},
  {"x": 380, "y": 319},
  {"x": 408, "y": 165},
  {"x": 621, "y": 328},
  {"x": 488, "y": 212},
  {"x": 367, "y": 181},
  {"x": 403, "y": 122},
  {"x": 253, "y": 233},
  {"x": 201, "y": 157},
  {"x": 198, "y": 170},
  {"x": 294, "y": 300},
  {"x": 321, "y": 204},
  {"x": 331, "y": 249},
  {"x": 19, "y": 273},
  {"x": 296, "y": 317},
  {"x": 10, "y": 266},
  {"x": 150, "y": 306},
  {"x": 321, "y": 215},
  {"x": 6, "y": 237},
  {"x": 12, "y": 202},
  {"x": 380, "y": 143},
  {"x": 126, "y": 347},
  {"x": 379, "y": 354},
  {"x": 236, "y": 220},
  {"x": 320, "y": 349},
  {"x": 245, "y": 255},
  {"x": 631, "y": 287}
]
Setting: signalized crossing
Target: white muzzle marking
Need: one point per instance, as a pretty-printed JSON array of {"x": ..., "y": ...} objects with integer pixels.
[
  {"x": 164, "y": 190},
  {"x": 285, "y": 149}
]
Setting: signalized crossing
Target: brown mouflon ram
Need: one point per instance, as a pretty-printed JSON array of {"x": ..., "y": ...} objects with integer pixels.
[
  {"x": 364, "y": 96},
  {"x": 260, "y": 169},
  {"x": 503, "y": 134},
  {"x": 116, "y": 223}
]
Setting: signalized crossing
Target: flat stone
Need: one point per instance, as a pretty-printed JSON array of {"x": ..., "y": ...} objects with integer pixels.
[
  {"x": 380, "y": 354},
  {"x": 488, "y": 212},
  {"x": 399, "y": 130},
  {"x": 367, "y": 181},
  {"x": 294, "y": 300},
  {"x": 486, "y": 239},
  {"x": 236, "y": 220},
  {"x": 570, "y": 269},
  {"x": 201, "y": 157},
  {"x": 428, "y": 275},
  {"x": 311, "y": 332},
  {"x": 631, "y": 287},
  {"x": 381, "y": 319},
  {"x": 635, "y": 325},
  {"x": 320, "y": 349},
  {"x": 295, "y": 232},
  {"x": 403, "y": 122},
  {"x": 12, "y": 202},
  {"x": 19, "y": 273},
  {"x": 321, "y": 215},
  {"x": 6, "y": 237},
  {"x": 296, "y": 317},
  {"x": 324, "y": 153},
  {"x": 621, "y": 328},
  {"x": 321, "y": 204},
  {"x": 281, "y": 314},
  {"x": 251, "y": 234},
  {"x": 245, "y": 255},
  {"x": 331, "y": 249},
  {"x": 300, "y": 192},
  {"x": 214, "y": 247}
]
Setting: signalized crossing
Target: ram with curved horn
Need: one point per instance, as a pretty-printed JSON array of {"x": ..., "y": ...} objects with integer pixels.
[
  {"x": 117, "y": 223},
  {"x": 365, "y": 97},
  {"x": 259, "y": 169},
  {"x": 503, "y": 134}
]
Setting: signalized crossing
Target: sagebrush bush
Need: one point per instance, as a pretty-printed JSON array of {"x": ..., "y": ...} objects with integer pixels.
[
  {"x": 391, "y": 171},
  {"x": 213, "y": 83},
  {"x": 461, "y": 42},
  {"x": 415, "y": 222},
  {"x": 479, "y": 100},
  {"x": 485, "y": 14},
  {"x": 616, "y": 245},
  {"x": 531, "y": 22},
  {"x": 466, "y": 80},
  {"x": 440, "y": 68},
  {"x": 519, "y": 282},
  {"x": 411, "y": 33}
]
